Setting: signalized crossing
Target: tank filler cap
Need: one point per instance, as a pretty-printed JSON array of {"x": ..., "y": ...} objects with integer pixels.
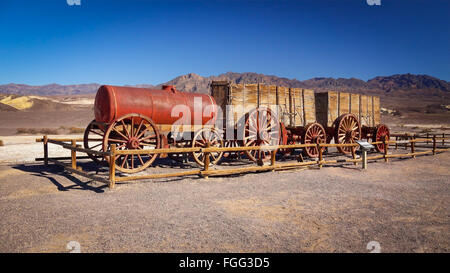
[{"x": 169, "y": 88}]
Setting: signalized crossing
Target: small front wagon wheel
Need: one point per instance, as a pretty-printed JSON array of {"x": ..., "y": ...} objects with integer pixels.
[{"x": 201, "y": 137}]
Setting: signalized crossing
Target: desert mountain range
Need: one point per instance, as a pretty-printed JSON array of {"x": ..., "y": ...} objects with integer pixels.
[{"x": 400, "y": 84}]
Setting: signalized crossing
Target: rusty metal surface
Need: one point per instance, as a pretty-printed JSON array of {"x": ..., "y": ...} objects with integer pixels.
[{"x": 112, "y": 102}]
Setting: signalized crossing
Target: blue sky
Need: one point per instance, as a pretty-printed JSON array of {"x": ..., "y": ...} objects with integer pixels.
[{"x": 135, "y": 42}]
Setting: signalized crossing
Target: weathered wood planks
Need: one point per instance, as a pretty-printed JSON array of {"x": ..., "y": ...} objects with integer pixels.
[
  {"x": 294, "y": 106},
  {"x": 330, "y": 105}
]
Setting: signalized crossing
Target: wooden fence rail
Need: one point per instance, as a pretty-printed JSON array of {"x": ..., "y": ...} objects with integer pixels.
[{"x": 206, "y": 171}]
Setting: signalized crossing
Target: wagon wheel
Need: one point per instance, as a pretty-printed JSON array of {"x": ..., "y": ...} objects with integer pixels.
[
  {"x": 314, "y": 134},
  {"x": 346, "y": 131},
  {"x": 93, "y": 140},
  {"x": 261, "y": 129},
  {"x": 200, "y": 139},
  {"x": 381, "y": 132},
  {"x": 232, "y": 143},
  {"x": 132, "y": 131},
  {"x": 179, "y": 157}
]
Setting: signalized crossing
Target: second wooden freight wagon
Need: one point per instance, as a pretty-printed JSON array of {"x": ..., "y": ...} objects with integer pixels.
[{"x": 303, "y": 115}]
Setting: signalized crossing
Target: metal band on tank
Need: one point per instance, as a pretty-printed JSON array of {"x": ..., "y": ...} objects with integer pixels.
[{"x": 115, "y": 102}]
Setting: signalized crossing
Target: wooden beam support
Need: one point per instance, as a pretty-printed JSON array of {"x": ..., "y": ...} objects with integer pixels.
[
  {"x": 74, "y": 154},
  {"x": 112, "y": 167},
  {"x": 45, "y": 150}
]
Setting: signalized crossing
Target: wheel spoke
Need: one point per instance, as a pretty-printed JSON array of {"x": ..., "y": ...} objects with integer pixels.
[
  {"x": 152, "y": 136},
  {"x": 124, "y": 160},
  {"x": 125, "y": 128},
  {"x": 139, "y": 127},
  {"x": 116, "y": 140},
  {"x": 96, "y": 133},
  {"x": 140, "y": 159},
  {"x": 122, "y": 135}
]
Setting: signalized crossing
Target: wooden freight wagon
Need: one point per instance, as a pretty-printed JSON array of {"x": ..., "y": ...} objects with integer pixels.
[
  {"x": 288, "y": 115},
  {"x": 349, "y": 117},
  {"x": 250, "y": 111}
]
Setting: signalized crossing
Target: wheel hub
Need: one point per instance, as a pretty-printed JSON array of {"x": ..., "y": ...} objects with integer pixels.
[
  {"x": 264, "y": 135},
  {"x": 133, "y": 143},
  {"x": 349, "y": 135}
]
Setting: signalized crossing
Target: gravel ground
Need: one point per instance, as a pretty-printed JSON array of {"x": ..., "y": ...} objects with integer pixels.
[{"x": 402, "y": 205}]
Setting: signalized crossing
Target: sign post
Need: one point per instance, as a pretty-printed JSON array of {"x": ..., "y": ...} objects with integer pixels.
[{"x": 364, "y": 146}]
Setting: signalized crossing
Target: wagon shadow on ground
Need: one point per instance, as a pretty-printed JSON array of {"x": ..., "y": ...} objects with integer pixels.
[
  {"x": 40, "y": 170},
  {"x": 162, "y": 164}
]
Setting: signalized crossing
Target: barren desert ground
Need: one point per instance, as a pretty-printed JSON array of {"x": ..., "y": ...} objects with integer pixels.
[{"x": 402, "y": 205}]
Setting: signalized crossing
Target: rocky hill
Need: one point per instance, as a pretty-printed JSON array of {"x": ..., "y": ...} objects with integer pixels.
[{"x": 401, "y": 84}]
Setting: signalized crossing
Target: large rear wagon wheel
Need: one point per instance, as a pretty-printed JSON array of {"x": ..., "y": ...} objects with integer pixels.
[
  {"x": 261, "y": 129},
  {"x": 132, "y": 132},
  {"x": 346, "y": 131},
  {"x": 314, "y": 134},
  {"x": 381, "y": 132},
  {"x": 93, "y": 140}
]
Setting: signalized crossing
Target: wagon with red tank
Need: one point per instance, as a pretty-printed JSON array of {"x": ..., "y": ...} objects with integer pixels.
[
  {"x": 231, "y": 115},
  {"x": 141, "y": 118}
]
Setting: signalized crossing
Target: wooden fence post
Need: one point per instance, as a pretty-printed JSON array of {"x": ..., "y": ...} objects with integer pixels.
[
  {"x": 413, "y": 144},
  {"x": 396, "y": 144},
  {"x": 74, "y": 154},
  {"x": 45, "y": 150},
  {"x": 206, "y": 160},
  {"x": 319, "y": 149},
  {"x": 406, "y": 143},
  {"x": 386, "y": 146},
  {"x": 427, "y": 139},
  {"x": 273, "y": 155},
  {"x": 112, "y": 167},
  {"x": 443, "y": 139},
  {"x": 434, "y": 144},
  {"x": 354, "y": 155}
]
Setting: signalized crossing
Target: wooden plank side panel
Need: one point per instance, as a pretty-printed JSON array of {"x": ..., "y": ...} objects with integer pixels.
[
  {"x": 220, "y": 93},
  {"x": 369, "y": 110},
  {"x": 283, "y": 100},
  {"x": 250, "y": 97},
  {"x": 354, "y": 105},
  {"x": 376, "y": 111},
  {"x": 274, "y": 103},
  {"x": 297, "y": 106},
  {"x": 365, "y": 117},
  {"x": 237, "y": 101},
  {"x": 264, "y": 100},
  {"x": 344, "y": 103},
  {"x": 333, "y": 107},
  {"x": 273, "y": 99},
  {"x": 309, "y": 106},
  {"x": 322, "y": 109}
]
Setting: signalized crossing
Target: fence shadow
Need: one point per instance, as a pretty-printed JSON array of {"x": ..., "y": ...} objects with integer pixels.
[{"x": 49, "y": 172}]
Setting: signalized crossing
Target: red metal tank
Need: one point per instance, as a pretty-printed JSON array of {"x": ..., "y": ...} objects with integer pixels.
[{"x": 112, "y": 102}]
